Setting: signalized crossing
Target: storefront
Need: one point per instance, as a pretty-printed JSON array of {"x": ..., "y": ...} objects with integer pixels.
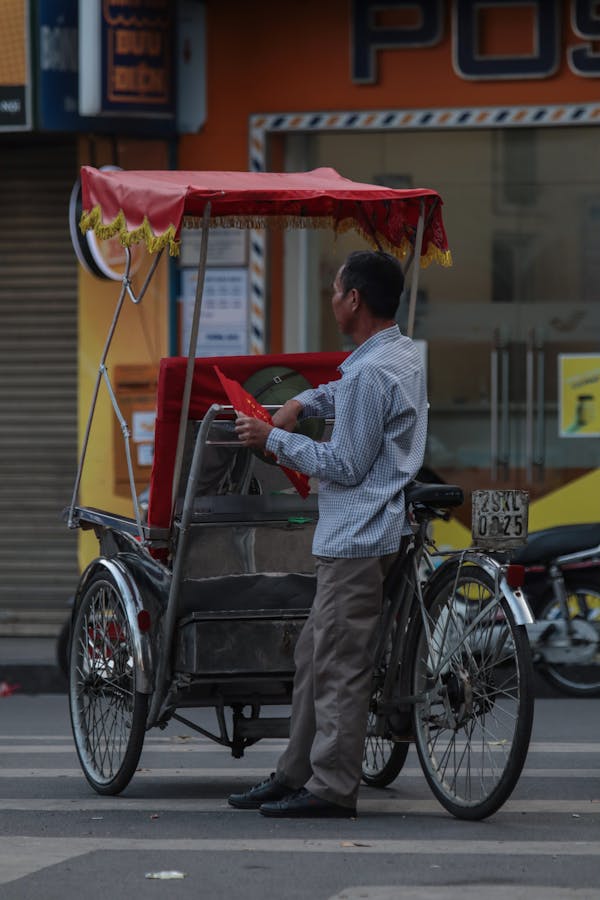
[
  {"x": 493, "y": 105},
  {"x": 38, "y": 371},
  {"x": 54, "y": 312}
]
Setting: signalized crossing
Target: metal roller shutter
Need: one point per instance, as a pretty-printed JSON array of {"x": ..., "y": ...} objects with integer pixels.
[{"x": 38, "y": 375}]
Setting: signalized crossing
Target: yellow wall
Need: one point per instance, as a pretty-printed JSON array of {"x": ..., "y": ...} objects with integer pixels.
[
  {"x": 568, "y": 505},
  {"x": 141, "y": 337}
]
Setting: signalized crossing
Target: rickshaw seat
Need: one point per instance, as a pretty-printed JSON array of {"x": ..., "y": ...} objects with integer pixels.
[
  {"x": 317, "y": 368},
  {"x": 256, "y": 592}
]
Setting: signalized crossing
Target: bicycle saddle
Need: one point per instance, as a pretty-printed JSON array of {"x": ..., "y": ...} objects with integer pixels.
[
  {"x": 442, "y": 496},
  {"x": 544, "y": 546}
]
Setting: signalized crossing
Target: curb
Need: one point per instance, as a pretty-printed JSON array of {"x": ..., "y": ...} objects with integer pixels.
[
  {"x": 36, "y": 623},
  {"x": 28, "y": 647}
]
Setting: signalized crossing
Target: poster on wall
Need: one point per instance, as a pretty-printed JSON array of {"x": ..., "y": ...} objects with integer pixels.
[
  {"x": 579, "y": 395},
  {"x": 226, "y": 247},
  {"x": 223, "y": 327}
]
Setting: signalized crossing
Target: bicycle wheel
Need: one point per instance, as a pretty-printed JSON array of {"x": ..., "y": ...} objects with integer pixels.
[
  {"x": 383, "y": 758},
  {"x": 62, "y": 648},
  {"x": 473, "y": 674},
  {"x": 108, "y": 714},
  {"x": 582, "y": 678}
]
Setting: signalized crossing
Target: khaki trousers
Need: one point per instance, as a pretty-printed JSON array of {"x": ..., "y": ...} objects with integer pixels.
[{"x": 333, "y": 680}]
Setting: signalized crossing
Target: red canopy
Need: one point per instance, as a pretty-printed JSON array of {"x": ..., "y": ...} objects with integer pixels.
[{"x": 153, "y": 206}]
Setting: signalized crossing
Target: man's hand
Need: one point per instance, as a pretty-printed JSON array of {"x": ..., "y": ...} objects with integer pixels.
[
  {"x": 252, "y": 432},
  {"x": 287, "y": 417}
]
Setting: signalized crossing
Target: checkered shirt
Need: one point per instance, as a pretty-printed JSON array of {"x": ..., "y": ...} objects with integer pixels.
[{"x": 376, "y": 447}]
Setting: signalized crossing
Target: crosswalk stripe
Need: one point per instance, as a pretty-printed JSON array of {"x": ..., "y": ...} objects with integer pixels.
[
  {"x": 21, "y": 856},
  {"x": 313, "y": 845},
  {"x": 19, "y": 743},
  {"x": 369, "y": 804},
  {"x": 249, "y": 774},
  {"x": 196, "y": 746}
]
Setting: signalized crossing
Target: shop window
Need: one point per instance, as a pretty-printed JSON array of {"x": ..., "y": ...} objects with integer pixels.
[
  {"x": 512, "y": 267},
  {"x": 516, "y": 168}
]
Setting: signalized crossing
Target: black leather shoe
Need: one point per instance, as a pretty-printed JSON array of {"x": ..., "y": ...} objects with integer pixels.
[
  {"x": 269, "y": 789},
  {"x": 303, "y": 804}
]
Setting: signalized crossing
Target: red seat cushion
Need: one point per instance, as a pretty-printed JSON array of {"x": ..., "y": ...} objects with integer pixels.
[{"x": 317, "y": 368}]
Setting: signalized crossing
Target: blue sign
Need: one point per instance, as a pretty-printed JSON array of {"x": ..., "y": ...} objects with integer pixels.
[
  {"x": 465, "y": 16},
  {"x": 137, "y": 57},
  {"x": 57, "y": 78}
]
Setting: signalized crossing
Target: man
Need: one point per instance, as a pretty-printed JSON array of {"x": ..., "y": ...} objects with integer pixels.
[{"x": 376, "y": 448}]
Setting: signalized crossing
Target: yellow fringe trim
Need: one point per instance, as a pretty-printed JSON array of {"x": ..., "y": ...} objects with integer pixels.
[
  {"x": 154, "y": 243},
  {"x": 432, "y": 253},
  {"x": 118, "y": 228}
]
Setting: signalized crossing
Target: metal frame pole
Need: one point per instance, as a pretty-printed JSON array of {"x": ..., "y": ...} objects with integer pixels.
[
  {"x": 126, "y": 290},
  {"x": 414, "y": 282},
  {"x": 88, "y": 428},
  {"x": 189, "y": 372},
  {"x": 170, "y": 616}
]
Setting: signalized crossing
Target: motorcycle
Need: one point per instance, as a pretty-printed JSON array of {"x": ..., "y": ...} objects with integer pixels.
[{"x": 562, "y": 587}]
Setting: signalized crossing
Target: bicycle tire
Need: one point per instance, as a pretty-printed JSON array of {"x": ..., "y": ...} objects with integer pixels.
[
  {"x": 62, "y": 648},
  {"x": 108, "y": 714},
  {"x": 473, "y": 724},
  {"x": 574, "y": 680},
  {"x": 383, "y": 759}
]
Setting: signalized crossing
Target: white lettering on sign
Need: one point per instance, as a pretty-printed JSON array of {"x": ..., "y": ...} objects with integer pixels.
[
  {"x": 427, "y": 21},
  {"x": 58, "y": 49},
  {"x": 368, "y": 37},
  {"x": 499, "y": 518},
  {"x": 585, "y": 22},
  {"x": 540, "y": 63}
]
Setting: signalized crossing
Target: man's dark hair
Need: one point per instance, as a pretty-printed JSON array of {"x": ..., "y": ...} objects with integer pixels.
[{"x": 378, "y": 278}]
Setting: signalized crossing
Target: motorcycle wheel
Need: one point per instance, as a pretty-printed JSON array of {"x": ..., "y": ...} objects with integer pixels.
[{"x": 583, "y": 592}]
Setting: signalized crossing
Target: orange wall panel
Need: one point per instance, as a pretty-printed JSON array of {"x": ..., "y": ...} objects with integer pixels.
[{"x": 279, "y": 57}]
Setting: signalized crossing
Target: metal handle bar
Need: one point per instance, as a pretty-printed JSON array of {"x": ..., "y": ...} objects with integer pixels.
[
  {"x": 231, "y": 409},
  {"x": 170, "y": 616},
  {"x": 577, "y": 556}
]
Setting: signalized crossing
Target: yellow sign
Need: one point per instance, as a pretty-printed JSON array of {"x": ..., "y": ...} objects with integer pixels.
[
  {"x": 579, "y": 395},
  {"x": 14, "y": 66}
]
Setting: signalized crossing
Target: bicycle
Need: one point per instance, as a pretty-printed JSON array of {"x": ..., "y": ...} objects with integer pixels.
[{"x": 453, "y": 670}]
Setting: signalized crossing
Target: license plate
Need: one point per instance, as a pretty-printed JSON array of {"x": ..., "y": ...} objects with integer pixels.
[{"x": 499, "y": 519}]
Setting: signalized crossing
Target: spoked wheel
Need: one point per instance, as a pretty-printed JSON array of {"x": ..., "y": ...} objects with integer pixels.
[
  {"x": 108, "y": 714},
  {"x": 472, "y": 667},
  {"x": 580, "y": 678},
  {"x": 383, "y": 758}
]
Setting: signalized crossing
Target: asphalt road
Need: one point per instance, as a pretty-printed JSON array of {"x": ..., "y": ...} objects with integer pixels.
[{"x": 58, "y": 839}]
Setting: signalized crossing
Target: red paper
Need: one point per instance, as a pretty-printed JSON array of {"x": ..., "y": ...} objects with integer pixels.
[
  {"x": 246, "y": 404},
  {"x": 6, "y": 689}
]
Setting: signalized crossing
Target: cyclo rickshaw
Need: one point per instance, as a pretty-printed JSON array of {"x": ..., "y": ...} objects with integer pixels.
[{"x": 199, "y": 604}]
